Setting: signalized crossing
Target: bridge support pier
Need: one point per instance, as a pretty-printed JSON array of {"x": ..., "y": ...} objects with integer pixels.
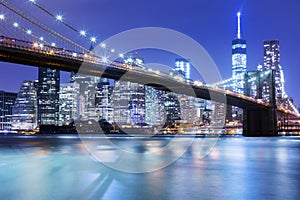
[{"x": 260, "y": 123}]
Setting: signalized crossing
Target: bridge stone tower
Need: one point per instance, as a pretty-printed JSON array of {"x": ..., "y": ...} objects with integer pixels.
[{"x": 260, "y": 121}]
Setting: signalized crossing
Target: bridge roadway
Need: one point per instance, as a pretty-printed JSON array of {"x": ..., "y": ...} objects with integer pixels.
[{"x": 32, "y": 54}]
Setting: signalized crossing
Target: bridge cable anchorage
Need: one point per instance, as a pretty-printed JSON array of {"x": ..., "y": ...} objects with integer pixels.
[{"x": 42, "y": 26}]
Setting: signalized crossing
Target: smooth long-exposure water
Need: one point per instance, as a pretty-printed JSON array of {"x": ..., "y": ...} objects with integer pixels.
[{"x": 59, "y": 167}]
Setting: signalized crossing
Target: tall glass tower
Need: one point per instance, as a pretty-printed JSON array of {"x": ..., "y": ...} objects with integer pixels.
[
  {"x": 272, "y": 61},
  {"x": 48, "y": 96},
  {"x": 25, "y": 109},
  {"x": 239, "y": 59}
]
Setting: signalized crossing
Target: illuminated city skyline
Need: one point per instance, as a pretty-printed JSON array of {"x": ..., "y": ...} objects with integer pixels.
[{"x": 213, "y": 25}]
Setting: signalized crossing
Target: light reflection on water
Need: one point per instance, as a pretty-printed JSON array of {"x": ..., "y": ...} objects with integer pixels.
[{"x": 237, "y": 168}]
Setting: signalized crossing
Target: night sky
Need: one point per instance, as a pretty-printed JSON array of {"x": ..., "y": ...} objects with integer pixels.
[{"x": 212, "y": 23}]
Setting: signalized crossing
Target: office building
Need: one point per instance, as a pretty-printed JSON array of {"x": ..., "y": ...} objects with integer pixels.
[
  {"x": 7, "y": 100},
  {"x": 272, "y": 61},
  {"x": 103, "y": 100},
  {"x": 25, "y": 109},
  {"x": 188, "y": 109},
  {"x": 48, "y": 96},
  {"x": 172, "y": 107},
  {"x": 68, "y": 103},
  {"x": 155, "y": 109},
  {"x": 129, "y": 103},
  {"x": 86, "y": 100}
]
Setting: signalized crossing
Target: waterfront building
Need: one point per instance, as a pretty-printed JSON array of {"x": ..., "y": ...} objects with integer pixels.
[
  {"x": 154, "y": 106},
  {"x": 239, "y": 59},
  {"x": 172, "y": 107},
  {"x": 7, "y": 100},
  {"x": 129, "y": 103},
  {"x": 48, "y": 96},
  {"x": 86, "y": 100},
  {"x": 188, "y": 109},
  {"x": 129, "y": 106},
  {"x": 219, "y": 113},
  {"x": 272, "y": 61},
  {"x": 24, "y": 112},
  {"x": 68, "y": 103},
  {"x": 103, "y": 100}
]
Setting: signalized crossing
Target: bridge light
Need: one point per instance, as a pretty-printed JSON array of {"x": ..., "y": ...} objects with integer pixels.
[
  {"x": 15, "y": 24},
  {"x": 93, "y": 39},
  {"x": 32, "y": 1},
  {"x": 29, "y": 32},
  {"x": 74, "y": 54},
  {"x": 53, "y": 44},
  {"x": 59, "y": 18},
  {"x": 82, "y": 33},
  {"x": 103, "y": 45},
  {"x": 41, "y": 46},
  {"x": 2, "y": 16},
  {"x": 121, "y": 55},
  {"x": 104, "y": 59},
  {"x": 112, "y": 50},
  {"x": 42, "y": 38},
  {"x": 35, "y": 44}
]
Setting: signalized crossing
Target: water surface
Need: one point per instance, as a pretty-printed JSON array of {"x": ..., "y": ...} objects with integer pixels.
[{"x": 59, "y": 167}]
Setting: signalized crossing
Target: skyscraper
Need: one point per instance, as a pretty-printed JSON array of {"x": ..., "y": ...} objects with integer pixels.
[
  {"x": 272, "y": 61},
  {"x": 104, "y": 100},
  {"x": 7, "y": 100},
  {"x": 239, "y": 59},
  {"x": 48, "y": 96},
  {"x": 188, "y": 111},
  {"x": 155, "y": 108},
  {"x": 86, "y": 105},
  {"x": 129, "y": 103},
  {"x": 68, "y": 96},
  {"x": 25, "y": 109},
  {"x": 172, "y": 107}
]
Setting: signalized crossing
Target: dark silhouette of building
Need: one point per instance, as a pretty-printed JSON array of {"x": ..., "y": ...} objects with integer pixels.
[{"x": 7, "y": 100}]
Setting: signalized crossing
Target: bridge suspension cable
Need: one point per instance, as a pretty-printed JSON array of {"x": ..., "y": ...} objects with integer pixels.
[
  {"x": 60, "y": 19},
  {"x": 42, "y": 26},
  {"x": 82, "y": 33}
]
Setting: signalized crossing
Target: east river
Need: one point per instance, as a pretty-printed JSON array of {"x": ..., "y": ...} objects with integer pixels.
[{"x": 235, "y": 167}]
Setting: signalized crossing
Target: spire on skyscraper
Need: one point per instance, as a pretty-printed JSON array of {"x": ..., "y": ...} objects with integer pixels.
[{"x": 239, "y": 25}]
